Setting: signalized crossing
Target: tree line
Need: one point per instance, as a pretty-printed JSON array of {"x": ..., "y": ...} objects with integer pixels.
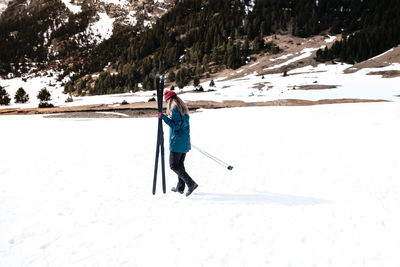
[
  {"x": 193, "y": 38},
  {"x": 25, "y": 37},
  {"x": 22, "y": 97},
  {"x": 198, "y": 37},
  {"x": 377, "y": 32}
]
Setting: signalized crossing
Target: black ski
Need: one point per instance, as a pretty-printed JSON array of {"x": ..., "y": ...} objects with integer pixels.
[{"x": 160, "y": 135}]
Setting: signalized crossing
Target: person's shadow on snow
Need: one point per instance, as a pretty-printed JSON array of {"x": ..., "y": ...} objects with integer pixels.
[{"x": 260, "y": 198}]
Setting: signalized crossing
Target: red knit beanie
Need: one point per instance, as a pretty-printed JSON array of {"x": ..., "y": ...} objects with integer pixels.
[{"x": 168, "y": 94}]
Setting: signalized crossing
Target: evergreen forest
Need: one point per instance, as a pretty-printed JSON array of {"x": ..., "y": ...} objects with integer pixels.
[{"x": 199, "y": 37}]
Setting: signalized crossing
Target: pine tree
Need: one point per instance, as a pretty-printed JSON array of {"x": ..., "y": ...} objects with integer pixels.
[
  {"x": 182, "y": 77},
  {"x": 246, "y": 47},
  {"x": 212, "y": 83},
  {"x": 171, "y": 76},
  {"x": 196, "y": 81},
  {"x": 21, "y": 96},
  {"x": 258, "y": 44},
  {"x": 205, "y": 61},
  {"x": 214, "y": 55},
  {"x": 44, "y": 96},
  {"x": 4, "y": 97},
  {"x": 69, "y": 99}
]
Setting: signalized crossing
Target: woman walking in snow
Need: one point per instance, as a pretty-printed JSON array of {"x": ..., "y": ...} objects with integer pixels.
[{"x": 179, "y": 140}]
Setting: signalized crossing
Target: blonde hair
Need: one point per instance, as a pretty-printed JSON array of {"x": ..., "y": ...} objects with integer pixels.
[{"x": 176, "y": 101}]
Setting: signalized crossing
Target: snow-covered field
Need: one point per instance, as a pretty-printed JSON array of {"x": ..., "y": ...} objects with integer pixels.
[{"x": 311, "y": 186}]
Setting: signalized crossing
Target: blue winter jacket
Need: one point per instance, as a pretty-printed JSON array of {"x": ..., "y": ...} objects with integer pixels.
[{"x": 179, "y": 132}]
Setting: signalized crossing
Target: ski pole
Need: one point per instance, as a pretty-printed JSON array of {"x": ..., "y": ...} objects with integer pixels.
[{"x": 217, "y": 160}]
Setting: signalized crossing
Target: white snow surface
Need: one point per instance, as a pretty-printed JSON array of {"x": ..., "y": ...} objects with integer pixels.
[
  {"x": 76, "y": 8},
  {"x": 131, "y": 18},
  {"x": 330, "y": 39},
  {"x": 281, "y": 57},
  {"x": 249, "y": 7},
  {"x": 311, "y": 186},
  {"x": 72, "y": 7},
  {"x": 305, "y": 53},
  {"x": 3, "y": 6},
  {"x": 100, "y": 30},
  {"x": 116, "y": 2},
  {"x": 32, "y": 85}
]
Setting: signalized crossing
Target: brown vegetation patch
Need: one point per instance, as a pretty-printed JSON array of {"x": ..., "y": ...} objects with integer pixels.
[
  {"x": 261, "y": 62},
  {"x": 386, "y": 74},
  {"x": 144, "y": 109},
  {"x": 87, "y": 115},
  {"x": 316, "y": 87},
  {"x": 260, "y": 86},
  {"x": 299, "y": 102},
  {"x": 309, "y": 72},
  {"x": 139, "y": 107},
  {"x": 378, "y": 62},
  {"x": 310, "y": 61}
]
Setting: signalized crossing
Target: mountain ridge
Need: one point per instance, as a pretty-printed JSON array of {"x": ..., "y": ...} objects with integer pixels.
[{"x": 193, "y": 40}]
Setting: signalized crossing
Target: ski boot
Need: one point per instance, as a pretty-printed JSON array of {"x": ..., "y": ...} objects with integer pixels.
[
  {"x": 174, "y": 189},
  {"x": 191, "y": 189}
]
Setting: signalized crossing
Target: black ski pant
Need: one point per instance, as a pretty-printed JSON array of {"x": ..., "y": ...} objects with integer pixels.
[{"x": 176, "y": 163}]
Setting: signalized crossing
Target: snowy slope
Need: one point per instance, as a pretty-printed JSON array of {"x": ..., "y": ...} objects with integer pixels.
[
  {"x": 246, "y": 88},
  {"x": 32, "y": 86},
  {"x": 241, "y": 84},
  {"x": 3, "y": 5},
  {"x": 124, "y": 10},
  {"x": 72, "y": 7},
  {"x": 100, "y": 30},
  {"x": 311, "y": 186}
]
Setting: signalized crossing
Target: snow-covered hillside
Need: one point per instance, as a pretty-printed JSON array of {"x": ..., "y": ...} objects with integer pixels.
[
  {"x": 71, "y": 23},
  {"x": 3, "y": 5},
  {"x": 121, "y": 11},
  {"x": 259, "y": 80},
  {"x": 125, "y": 11},
  {"x": 311, "y": 186},
  {"x": 306, "y": 83}
]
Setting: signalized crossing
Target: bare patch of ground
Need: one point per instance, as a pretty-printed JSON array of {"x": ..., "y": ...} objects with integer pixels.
[
  {"x": 291, "y": 47},
  {"x": 88, "y": 115},
  {"x": 386, "y": 74},
  {"x": 377, "y": 62},
  {"x": 316, "y": 87},
  {"x": 298, "y": 102},
  {"x": 150, "y": 109},
  {"x": 139, "y": 108},
  {"x": 260, "y": 86},
  {"x": 310, "y": 72}
]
